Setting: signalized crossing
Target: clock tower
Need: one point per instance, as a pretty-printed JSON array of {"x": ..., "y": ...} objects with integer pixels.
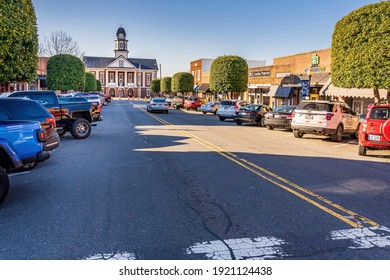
[{"x": 121, "y": 43}]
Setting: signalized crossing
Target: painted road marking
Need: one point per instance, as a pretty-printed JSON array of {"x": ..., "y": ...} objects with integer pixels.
[
  {"x": 18, "y": 174},
  {"x": 364, "y": 238},
  {"x": 113, "y": 256},
  {"x": 260, "y": 248},
  {"x": 343, "y": 214}
]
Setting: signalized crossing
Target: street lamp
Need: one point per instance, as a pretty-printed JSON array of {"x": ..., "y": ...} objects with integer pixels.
[{"x": 309, "y": 73}]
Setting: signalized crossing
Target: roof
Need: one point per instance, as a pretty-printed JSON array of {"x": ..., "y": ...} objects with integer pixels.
[
  {"x": 283, "y": 92},
  {"x": 103, "y": 62},
  {"x": 204, "y": 87}
]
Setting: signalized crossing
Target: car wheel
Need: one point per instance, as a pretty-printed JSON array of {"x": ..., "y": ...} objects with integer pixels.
[
  {"x": 356, "y": 134},
  {"x": 338, "y": 135},
  {"x": 81, "y": 128},
  {"x": 61, "y": 132},
  {"x": 362, "y": 150},
  {"x": 270, "y": 127},
  {"x": 238, "y": 122},
  {"x": 298, "y": 134},
  {"x": 4, "y": 184},
  {"x": 204, "y": 113},
  {"x": 221, "y": 118},
  {"x": 188, "y": 108},
  {"x": 261, "y": 122}
]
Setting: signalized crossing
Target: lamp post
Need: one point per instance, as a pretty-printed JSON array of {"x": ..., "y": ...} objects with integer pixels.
[{"x": 309, "y": 72}]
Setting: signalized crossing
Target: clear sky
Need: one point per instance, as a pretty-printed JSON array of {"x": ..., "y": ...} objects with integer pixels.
[{"x": 176, "y": 32}]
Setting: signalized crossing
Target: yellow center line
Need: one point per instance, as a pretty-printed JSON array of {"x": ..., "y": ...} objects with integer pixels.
[{"x": 254, "y": 168}]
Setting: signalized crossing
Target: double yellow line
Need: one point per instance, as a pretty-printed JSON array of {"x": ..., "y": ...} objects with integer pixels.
[{"x": 345, "y": 215}]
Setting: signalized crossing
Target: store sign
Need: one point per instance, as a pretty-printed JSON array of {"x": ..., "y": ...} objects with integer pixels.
[
  {"x": 305, "y": 88},
  {"x": 315, "y": 69},
  {"x": 283, "y": 75},
  {"x": 315, "y": 60},
  {"x": 260, "y": 73}
]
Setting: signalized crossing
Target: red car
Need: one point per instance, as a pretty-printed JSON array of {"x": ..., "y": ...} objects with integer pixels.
[
  {"x": 194, "y": 103},
  {"x": 374, "y": 131}
]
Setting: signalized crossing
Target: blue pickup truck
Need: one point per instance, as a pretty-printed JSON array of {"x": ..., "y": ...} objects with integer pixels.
[{"x": 21, "y": 143}]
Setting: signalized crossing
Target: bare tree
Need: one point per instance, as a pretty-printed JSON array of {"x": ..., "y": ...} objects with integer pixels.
[{"x": 59, "y": 43}]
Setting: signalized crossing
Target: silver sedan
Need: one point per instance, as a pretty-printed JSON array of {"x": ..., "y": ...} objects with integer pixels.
[
  {"x": 157, "y": 104},
  {"x": 210, "y": 107}
]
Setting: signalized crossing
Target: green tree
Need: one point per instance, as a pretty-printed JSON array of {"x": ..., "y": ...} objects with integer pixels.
[
  {"x": 360, "y": 49},
  {"x": 229, "y": 74},
  {"x": 90, "y": 82},
  {"x": 165, "y": 85},
  {"x": 65, "y": 72},
  {"x": 18, "y": 41},
  {"x": 182, "y": 82},
  {"x": 98, "y": 85},
  {"x": 155, "y": 86}
]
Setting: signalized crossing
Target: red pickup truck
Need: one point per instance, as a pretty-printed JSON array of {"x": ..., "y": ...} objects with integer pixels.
[{"x": 194, "y": 103}]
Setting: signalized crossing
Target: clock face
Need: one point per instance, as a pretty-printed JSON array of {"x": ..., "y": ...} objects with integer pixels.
[{"x": 121, "y": 36}]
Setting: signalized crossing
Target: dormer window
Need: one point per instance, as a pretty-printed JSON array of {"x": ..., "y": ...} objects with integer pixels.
[{"x": 121, "y": 63}]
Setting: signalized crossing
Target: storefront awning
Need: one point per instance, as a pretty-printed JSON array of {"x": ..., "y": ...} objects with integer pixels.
[
  {"x": 272, "y": 90},
  {"x": 204, "y": 87},
  {"x": 283, "y": 92},
  {"x": 330, "y": 90}
]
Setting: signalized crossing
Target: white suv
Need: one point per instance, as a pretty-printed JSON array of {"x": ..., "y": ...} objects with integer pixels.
[{"x": 332, "y": 118}]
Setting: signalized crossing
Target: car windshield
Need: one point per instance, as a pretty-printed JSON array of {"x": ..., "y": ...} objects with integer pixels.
[
  {"x": 313, "y": 106},
  {"x": 158, "y": 100},
  {"x": 227, "y": 103},
  {"x": 284, "y": 109},
  {"x": 380, "y": 113},
  {"x": 251, "y": 107}
]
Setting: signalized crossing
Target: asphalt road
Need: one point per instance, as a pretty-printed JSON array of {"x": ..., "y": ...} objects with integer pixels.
[{"x": 184, "y": 185}]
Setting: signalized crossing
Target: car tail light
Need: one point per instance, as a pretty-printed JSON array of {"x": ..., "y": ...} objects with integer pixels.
[
  {"x": 235, "y": 105},
  {"x": 99, "y": 108},
  {"x": 290, "y": 116},
  {"x": 52, "y": 121},
  {"x": 293, "y": 115},
  {"x": 364, "y": 125},
  {"x": 166, "y": 104},
  {"x": 253, "y": 112},
  {"x": 41, "y": 135},
  {"x": 329, "y": 116}
]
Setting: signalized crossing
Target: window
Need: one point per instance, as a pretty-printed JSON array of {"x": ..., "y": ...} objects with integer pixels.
[
  {"x": 130, "y": 78},
  {"x": 121, "y": 79},
  {"x": 121, "y": 63},
  {"x": 112, "y": 77},
  {"x": 121, "y": 45},
  {"x": 139, "y": 80},
  {"x": 102, "y": 78},
  {"x": 380, "y": 114},
  {"x": 3, "y": 115},
  {"x": 148, "y": 79},
  {"x": 198, "y": 78}
]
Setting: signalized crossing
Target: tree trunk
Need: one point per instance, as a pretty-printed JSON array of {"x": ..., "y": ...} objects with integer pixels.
[
  {"x": 376, "y": 95},
  {"x": 388, "y": 95}
]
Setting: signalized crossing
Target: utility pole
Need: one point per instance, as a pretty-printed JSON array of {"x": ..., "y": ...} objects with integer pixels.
[{"x": 160, "y": 71}]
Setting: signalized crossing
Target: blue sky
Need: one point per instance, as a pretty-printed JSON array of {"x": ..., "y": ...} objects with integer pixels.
[{"x": 176, "y": 32}]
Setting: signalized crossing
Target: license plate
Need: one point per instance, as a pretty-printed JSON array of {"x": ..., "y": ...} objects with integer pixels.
[
  {"x": 276, "y": 116},
  {"x": 308, "y": 117},
  {"x": 374, "y": 137}
]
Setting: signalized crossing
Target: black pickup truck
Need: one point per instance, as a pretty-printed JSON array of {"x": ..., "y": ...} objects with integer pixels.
[{"x": 73, "y": 117}]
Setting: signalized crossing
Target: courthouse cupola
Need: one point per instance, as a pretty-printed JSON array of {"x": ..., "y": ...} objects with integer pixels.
[{"x": 121, "y": 43}]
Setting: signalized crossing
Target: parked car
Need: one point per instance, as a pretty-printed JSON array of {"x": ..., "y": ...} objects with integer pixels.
[
  {"x": 157, "y": 105},
  {"x": 169, "y": 100},
  {"x": 73, "y": 117},
  {"x": 210, "y": 107},
  {"x": 227, "y": 108},
  {"x": 252, "y": 114},
  {"x": 177, "y": 102},
  {"x": 194, "y": 103},
  {"x": 281, "y": 116},
  {"x": 20, "y": 145},
  {"x": 332, "y": 118},
  {"x": 20, "y": 109},
  {"x": 374, "y": 131}
]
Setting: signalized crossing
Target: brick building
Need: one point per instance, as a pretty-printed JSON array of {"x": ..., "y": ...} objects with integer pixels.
[{"x": 120, "y": 75}]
